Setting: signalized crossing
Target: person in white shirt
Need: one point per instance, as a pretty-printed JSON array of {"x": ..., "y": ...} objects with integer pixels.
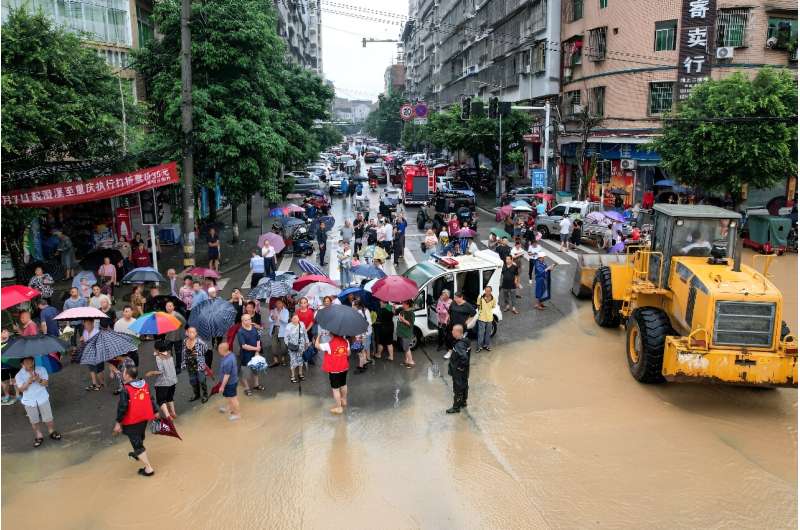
[
  {"x": 278, "y": 318},
  {"x": 564, "y": 229},
  {"x": 388, "y": 237},
  {"x": 268, "y": 253},
  {"x": 123, "y": 326},
  {"x": 345, "y": 258},
  {"x": 534, "y": 248},
  {"x": 32, "y": 382}
]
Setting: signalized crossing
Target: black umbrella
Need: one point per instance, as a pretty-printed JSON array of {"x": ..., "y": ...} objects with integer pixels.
[
  {"x": 107, "y": 345},
  {"x": 94, "y": 259},
  {"x": 212, "y": 317},
  {"x": 34, "y": 346},
  {"x": 342, "y": 320},
  {"x": 159, "y": 303}
]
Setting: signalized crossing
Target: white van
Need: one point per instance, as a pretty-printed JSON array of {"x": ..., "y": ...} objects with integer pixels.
[{"x": 470, "y": 276}]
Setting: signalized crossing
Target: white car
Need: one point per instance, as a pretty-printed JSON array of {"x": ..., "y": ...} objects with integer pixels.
[{"x": 470, "y": 276}]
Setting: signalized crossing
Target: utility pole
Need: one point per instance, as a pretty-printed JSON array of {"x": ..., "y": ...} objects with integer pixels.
[
  {"x": 186, "y": 127},
  {"x": 499, "y": 185}
]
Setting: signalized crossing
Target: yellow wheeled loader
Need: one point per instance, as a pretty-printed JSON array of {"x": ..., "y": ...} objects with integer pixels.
[{"x": 691, "y": 311}]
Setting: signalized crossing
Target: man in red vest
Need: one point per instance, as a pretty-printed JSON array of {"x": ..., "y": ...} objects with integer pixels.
[{"x": 136, "y": 407}]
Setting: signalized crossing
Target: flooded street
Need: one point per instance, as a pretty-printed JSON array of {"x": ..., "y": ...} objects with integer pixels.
[{"x": 558, "y": 435}]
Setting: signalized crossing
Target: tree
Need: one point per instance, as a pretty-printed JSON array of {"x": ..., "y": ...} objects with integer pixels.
[
  {"x": 60, "y": 102},
  {"x": 587, "y": 121},
  {"x": 414, "y": 137},
  {"x": 734, "y": 132},
  {"x": 384, "y": 123},
  {"x": 327, "y": 136}
]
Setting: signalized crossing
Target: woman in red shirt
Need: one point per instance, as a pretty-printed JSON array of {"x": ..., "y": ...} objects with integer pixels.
[
  {"x": 336, "y": 361},
  {"x": 140, "y": 257},
  {"x": 306, "y": 315}
]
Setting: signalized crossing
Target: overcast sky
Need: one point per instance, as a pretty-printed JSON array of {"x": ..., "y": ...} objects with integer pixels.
[{"x": 357, "y": 72}]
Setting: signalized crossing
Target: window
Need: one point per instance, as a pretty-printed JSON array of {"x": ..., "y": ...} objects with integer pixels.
[
  {"x": 598, "y": 100},
  {"x": 782, "y": 33},
  {"x": 577, "y": 10},
  {"x": 603, "y": 4},
  {"x": 665, "y": 35},
  {"x": 732, "y": 27},
  {"x": 572, "y": 102},
  {"x": 144, "y": 26},
  {"x": 539, "y": 50},
  {"x": 661, "y": 97},
  {"x": 597, "y": 44}
]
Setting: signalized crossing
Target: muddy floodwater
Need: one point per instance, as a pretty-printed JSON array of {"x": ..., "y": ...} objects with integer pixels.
[{"x": 558, "y": 435}]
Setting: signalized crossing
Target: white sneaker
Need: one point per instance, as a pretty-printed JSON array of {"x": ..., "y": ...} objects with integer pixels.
[
  {"x": 448, "y": 354},
  {"x": 234, "y": 417},
  {"x": 530, "y": 282},
  {"x": 223, "y": 410}
]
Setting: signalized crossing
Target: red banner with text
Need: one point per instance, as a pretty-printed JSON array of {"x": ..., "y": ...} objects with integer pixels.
[{"x": 96, "y": 189}]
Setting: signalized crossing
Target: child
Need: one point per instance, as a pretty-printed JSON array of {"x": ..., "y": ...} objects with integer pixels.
[{"x": 165, "y": 381}]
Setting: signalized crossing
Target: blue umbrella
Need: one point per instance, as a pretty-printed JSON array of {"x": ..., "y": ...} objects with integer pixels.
[
  {"x": 143, "y": 275},
  {"x": 368, "y": 271},
  {"x": 665, "y": 182},
  {"x": 89, "y": 275},
  {"x": 307, "y": 266},
  {"x": 364, "y": 295},
  {"x": 276, "y": 212},
  {"x": 285, "y": 277},
  {"x": 212, "y": 318},
  {"x": 289, "y": 222},
  {"x": 33, "y": 346},
  {"x": 107, "y": 345}
]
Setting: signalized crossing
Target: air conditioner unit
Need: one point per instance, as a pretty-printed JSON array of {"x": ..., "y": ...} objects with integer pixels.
[
  {"x": 567, "y": 73},
  {"x": 577, "y": 108},
  {"x": 725, "y": 52},
  {"x": 772, "y": 42},
  {"x": 627, "y": 163}
]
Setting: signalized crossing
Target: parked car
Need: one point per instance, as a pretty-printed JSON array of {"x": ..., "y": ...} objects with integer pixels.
[
  {"x": 319, "y": 171},
  {"x": 524, "y": 193},
  {"x": 303, "y": 184},
  {"x": 378, "y": 171},
  {"x": 548, "y": 224}
]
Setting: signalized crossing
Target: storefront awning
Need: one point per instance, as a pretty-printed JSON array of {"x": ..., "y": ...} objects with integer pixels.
[{"x": 64, "y": 193}]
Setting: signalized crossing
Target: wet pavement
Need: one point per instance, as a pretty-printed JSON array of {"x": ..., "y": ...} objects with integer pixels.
[{"x": 557, "y": 435}]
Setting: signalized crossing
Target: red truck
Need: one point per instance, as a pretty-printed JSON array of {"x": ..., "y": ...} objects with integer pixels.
[{"x": 419, "y": 184}]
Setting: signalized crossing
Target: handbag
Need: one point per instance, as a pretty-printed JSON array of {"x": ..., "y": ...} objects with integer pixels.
[{"x": 294, "y": 346}]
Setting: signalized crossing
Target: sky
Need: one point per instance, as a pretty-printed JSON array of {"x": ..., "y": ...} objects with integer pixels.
[{"x": 357, "y": 72}]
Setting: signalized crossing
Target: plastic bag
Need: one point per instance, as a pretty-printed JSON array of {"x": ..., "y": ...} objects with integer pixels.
[{"x": 257, "y": 364}]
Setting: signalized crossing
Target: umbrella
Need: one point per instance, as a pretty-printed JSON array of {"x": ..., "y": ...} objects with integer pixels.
[
  {"x": 202, "y": 272},
  {"x": 276, "y": 212},
  {"x": 89, "y": 275},
  {"x": 269, "y": 289},
  {"x": 33, "y": 346},
  {"x": 327, "y": 219},
  {"x": 80, "y": 313},
  {"x": 368, "y": 271},
  {"x": 285, "y": 277},
  {"x": 500, "y": 233},
  {"x": 293, "y": 208},
  {"x": 504, "y": 211},
  {"x": 596, "y": 218},
  {"x": 342, "y": 320},
  {"x": 289, "y": 222},
  {"x": 94, "y": 259},
  {"x": 143, "y": 275},
  {"x": 614, "y": 215},
  {"x": 319, "y": 290},
  {"x": 212, "y": 317},
  {"x": 521, "y": 206},
  {"x": 318, "y": 193},
  {"x": 107, "y": 345},
  {"x": 303, "y": 281},
  {"x": 359, "y": 292},
  {"x": 16, "y": 294},
  {"x": 275, "y": 240},
  {"x": 164, "y": 427},
  {"x": 546, "y": 196},
  {"x": 466, "y": 232},
  {"x": 666, "y": 183},
  {"x": 370, "y": 284},
  {"x": 159, "y": 303},
  {"x": 395, "y": 289},
  {"x": 307, "y": 266},
  {"x": 156, "y": 323}
]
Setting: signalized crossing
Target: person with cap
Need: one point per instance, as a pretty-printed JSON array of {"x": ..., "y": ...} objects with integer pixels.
[
  {"x": 137, "y": 406},
  {"x": 542, "y": 287},
  {"x": 32, "y": 382},
  {"x": 458, "y": 369}
]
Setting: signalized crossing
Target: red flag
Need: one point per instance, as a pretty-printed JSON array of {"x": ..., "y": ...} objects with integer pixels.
[
  {"x": 209, "y": 372},
  {"x": 216, "y": 388},
  {"x": 165, "y": 427}
]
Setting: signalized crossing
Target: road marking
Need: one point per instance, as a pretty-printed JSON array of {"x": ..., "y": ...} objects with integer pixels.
[
  {"x": 221, "y": 283},
  {"x": 409, "y": 258},
  {"x": 556, "y": 248},
  {"x": 247, "y": 280},
  {"x": 286, "y": 262},
  {"x": 588, "y": 250}
]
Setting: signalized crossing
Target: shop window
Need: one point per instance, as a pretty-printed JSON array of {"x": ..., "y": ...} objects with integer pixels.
[
  {"x": 598, "y": 100},
  {"x": 665, "y": 35},
  {"x": 660, "y": 97},
  {"x": 732, "y": 27}
]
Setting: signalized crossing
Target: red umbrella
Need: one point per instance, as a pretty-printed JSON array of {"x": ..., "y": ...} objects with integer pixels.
[
  {"x": 16, "y": 294},
  {"x": 309, "y": 279},
  {"x": 201, "y": 271},
  {"x": 395, "y": 289}
]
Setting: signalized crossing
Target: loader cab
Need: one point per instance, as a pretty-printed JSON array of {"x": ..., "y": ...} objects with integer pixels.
[{"x": 690, "y": 230}]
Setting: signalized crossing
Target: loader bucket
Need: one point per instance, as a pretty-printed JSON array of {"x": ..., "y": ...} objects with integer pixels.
[{"x": 586, "y": 269}]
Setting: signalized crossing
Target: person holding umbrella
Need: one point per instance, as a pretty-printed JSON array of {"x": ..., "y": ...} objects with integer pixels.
[
  {"x": 336, "y": 362},
  {"x": 32, "y": 381},
  {"x": 268, "y": 255},
  {"x": 405, "y": 331},
  {"x": 136, "y": 407},
  {"x": 96, "y": 371}
]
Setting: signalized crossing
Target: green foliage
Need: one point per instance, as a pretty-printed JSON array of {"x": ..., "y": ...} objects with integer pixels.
[
  {"x": 723, "y": 155},
  {"x": 327, "y": 136},
  {"x": 414, "y": 137},
  {"x": 385, "y": 123}
]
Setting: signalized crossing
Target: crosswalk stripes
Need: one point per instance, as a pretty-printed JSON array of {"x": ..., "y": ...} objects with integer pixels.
[
  {"x": 248, "y": 278},
  {"x": 409, "y": 258},
  {"x": 221, "y": 283},
  {"x": 588, "y": 250},
  {"x": 555, "y": 257},
  {"x": 286, "y": 263}
]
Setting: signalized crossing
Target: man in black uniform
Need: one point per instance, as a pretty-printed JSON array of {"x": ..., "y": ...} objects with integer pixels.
[{"x": 459, "y": 369}]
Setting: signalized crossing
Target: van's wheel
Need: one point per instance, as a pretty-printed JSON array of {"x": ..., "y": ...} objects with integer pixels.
[
  {"x": 417, "y": 339},
  {"x": 605, "y": 309},
  {"x": 647, "y": 328},
  {"x": 544, "y": 231},
  {"x": 784, "y": 329},
  {"x": 494, "y": 326}
]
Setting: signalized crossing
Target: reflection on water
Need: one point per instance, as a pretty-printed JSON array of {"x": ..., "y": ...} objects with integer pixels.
[{"x": 557, "y": 435}]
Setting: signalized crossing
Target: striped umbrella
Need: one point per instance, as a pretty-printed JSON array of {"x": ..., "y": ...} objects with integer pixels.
[
  {"x": 212, "y": 318},
  {"x": 155, "y": 323},
  {"x": 269, "y": 289},
  {"x": 307, "y": 266},
  {"x": 107, "y": 345}
]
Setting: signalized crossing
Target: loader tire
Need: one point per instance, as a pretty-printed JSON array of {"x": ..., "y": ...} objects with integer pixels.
[
  {"x": 605, "y": 309},
  {"x": 646, "y": 331},
  {"x": 784, "y": 329}
]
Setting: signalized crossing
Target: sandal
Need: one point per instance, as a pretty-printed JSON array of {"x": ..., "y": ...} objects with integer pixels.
[
  {"x": 144, "y": 473},
  {"x": 292, "y": 379},
  {"x": 55, "y": 435},
  {"x": 248, "y": 392},
  {"x": 37, "y": 442},
  {"x": 302, "y": 378},
  {"x": 92, "y": 388}
]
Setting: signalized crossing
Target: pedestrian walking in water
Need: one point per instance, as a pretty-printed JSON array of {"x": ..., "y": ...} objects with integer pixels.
[
  {"x": 405, "y": 331},
  {"x": 542, "y": 270},
  {"x": 486, "y": 305},
  {"x": 166, "y": 379},
  {"x": 32, "y": 382},
  {"x": 229, "y": 382},
  {"x": 458, "y": 369},
  {"x": 335, "y": 361},
  {"x": 296, "y": 340},
  {"x": 136, "y": 407},
  {"x": 194, "y": 362}
]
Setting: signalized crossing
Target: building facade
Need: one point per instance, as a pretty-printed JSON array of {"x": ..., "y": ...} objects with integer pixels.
[
  {"x": 394, "y": 78},
  {"x": 315, "y": 35},
  {"x": 627, "y": 62},
  {"x": 351, "y": 111}
]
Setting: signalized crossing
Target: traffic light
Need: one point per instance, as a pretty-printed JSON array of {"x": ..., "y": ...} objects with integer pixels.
[
  {"x": 466, "y": 103},
  {"x": 477, "y": 109},
  {"x": 493, "y": 107},
  {"x": 148, "y": 205},
  {"x": 364, "y": 42},
  {"x": 505, "y": 108}
]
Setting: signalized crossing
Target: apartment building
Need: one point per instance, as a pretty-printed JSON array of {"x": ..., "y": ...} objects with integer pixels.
[
  {"x": 315, "y": 35},
  {"x": 394, "y": 78},
  {"x": 629, "y": 61}
]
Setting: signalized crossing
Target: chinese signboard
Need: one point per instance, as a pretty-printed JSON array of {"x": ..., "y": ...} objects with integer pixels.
[
  {"x": 538, "y": 178},
  {"x": 696, "y": 44},
  {"x": 95, "y": 189}
]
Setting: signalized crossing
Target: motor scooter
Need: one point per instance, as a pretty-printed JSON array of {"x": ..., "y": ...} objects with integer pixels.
[{"x": 373, "y": 183}]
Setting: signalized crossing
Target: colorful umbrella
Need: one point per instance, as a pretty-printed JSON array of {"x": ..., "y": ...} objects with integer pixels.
[
  {"x": 107, "y": 345},
  {"x": 395, "y": 289},
  {"x": 143, "y": 275},
  {"x": 16, "y": 294},
  {"x": 91, "y": 279},
  {"x": 156, "y": 323},
  {"x": 212, "y": 317},
  {"x": 368, "y": 271},
  {"x": 614, "y": 215},
  {"x": 307, "y": 266},
  {"x": 80, "y": 313},
  {"x": 293, "y": 208},
  {"x": 275, "y": 240},
  {"x": 342, "y": 320},
  {"x": 33, "y": 346},
  {"x": 466, "y": 232},
  {"x": 499, "y": 232},
  {"x": 319, "y": 290},
  {"x": 202, "y": 272},
  {"x": 307, "y": 279}
]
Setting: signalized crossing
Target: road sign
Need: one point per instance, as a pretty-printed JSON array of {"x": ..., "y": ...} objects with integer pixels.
[
  {"x": 421, "y": 109},
  {"x": 538, "y": 178},
  {"x": 420, "y": 121},
  {"x": 406, "y": 112}
]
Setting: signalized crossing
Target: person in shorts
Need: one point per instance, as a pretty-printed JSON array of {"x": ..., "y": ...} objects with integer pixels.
[
  {"x": 136, "y": 407},
  {"x": 95, "y": 370},
  {"x": 32, "y": 381},
  {"x": 229, "y": 382},
  {"x": 9, "y": 373},
  {"x": 166, "y": 379},
  {"x": 405, "y": 331},
  {"x": 336, "y": 362},
  {"x": 565, "y": 230}
]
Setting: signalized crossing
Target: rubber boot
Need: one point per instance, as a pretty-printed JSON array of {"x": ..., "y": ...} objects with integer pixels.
[
  {"x": 205, "y": 392},
  {"x": 196, "y": 389}
]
